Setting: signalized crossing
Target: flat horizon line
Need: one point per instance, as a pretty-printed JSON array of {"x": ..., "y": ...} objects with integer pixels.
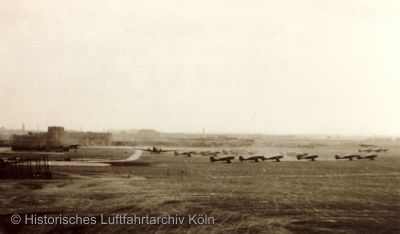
[{"x": 217, "y": 132}]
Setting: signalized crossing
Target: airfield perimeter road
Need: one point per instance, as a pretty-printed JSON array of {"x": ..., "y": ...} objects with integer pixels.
[{"x": 360, "y": 196}]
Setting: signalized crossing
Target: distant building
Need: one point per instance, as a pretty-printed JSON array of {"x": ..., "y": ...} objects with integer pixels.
[{"x": 57, "y": 137}]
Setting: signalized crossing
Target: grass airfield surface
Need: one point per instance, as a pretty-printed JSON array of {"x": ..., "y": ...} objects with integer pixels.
[{"x": 327, "y": 196}]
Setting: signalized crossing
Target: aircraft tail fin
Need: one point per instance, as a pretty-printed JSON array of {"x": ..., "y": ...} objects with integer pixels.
[
  {"x": 241, "y": 158},
  {"x": 212, "y": 159},
  {"x": 337, "y": 157}
]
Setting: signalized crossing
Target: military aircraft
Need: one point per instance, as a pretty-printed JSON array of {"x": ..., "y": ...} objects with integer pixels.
[
  {"x": 155, "y": 150},
  {"x": 378, "y": 150},
  {"x": 252, "y": 158},
  {"x": 365, "y": 150},
  {"x": 368, "y": 156},
  {"x": 277, "y": 158},
  {"x": 350, "y": 157},
  {"x": 227, "y": 159},
  {"x": 310, "y": 157}
]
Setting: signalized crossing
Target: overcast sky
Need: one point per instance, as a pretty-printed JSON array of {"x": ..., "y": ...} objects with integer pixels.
[{"x": 284, "y": 66}]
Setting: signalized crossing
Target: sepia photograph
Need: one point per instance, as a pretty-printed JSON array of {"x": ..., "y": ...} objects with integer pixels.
[{"x": 183, "y": 116}]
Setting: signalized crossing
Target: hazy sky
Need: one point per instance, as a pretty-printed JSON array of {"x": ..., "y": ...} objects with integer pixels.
[{"x": 284, "y": 66}]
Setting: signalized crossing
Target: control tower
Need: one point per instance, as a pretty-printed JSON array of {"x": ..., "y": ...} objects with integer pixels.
[{"x": 54, "y": 134}]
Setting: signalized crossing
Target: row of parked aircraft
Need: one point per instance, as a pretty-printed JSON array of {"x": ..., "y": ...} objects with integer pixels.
[
  {"x": 156, "y": 150},
  {"x": 302, "y": 156},
  {"x": 258, "y": 158},
  {"x": 350, "y": 157}
]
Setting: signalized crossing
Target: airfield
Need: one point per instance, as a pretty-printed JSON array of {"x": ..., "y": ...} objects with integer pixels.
[{"x": 291, "y": 196}]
